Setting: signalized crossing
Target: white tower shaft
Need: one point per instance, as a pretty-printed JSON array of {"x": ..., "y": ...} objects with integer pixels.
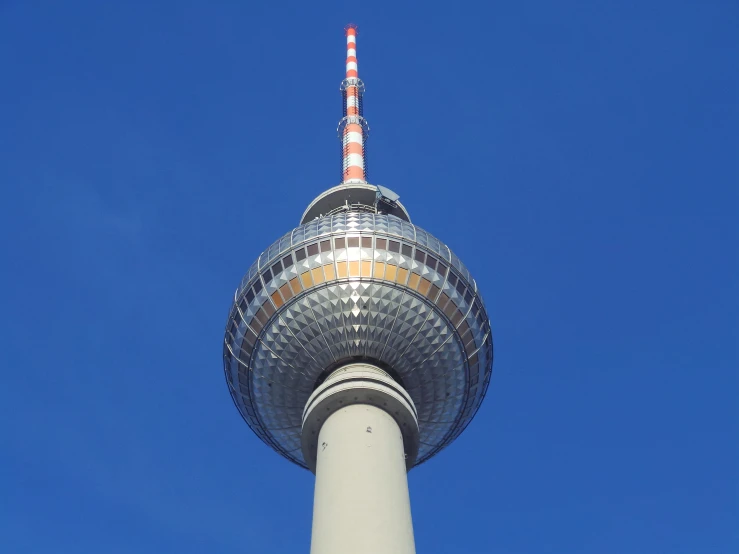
[
  {"x": 361, "y": 503},
  {"x": 360, "y": 435}
]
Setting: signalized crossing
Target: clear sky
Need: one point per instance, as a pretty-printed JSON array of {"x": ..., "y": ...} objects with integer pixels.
[{"x": 580, "y": 157}]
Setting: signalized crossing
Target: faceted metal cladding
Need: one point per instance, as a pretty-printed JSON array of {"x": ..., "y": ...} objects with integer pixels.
[{"x": 351, "y": 287}]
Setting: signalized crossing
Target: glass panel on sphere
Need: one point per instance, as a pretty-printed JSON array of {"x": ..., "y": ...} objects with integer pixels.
[
  {"x": 277, "y": 299},
  {"x": 433, "y": 243},
  {"x": 286, "y": 292},
  {"x": 295, "y": 285},
  {"x": 433, "y": 292},
  {"x": 317, "y": 274},
  {"x": 455, "y": 261},
  {"x": 464, "y": 328},
  {"x": 311, "y": 229},
  {"x": 381, "y": 224},
  {"x": 274, "y": 249},
  {"x": 460, "y": 287},
  {"x": 457, "y": 318},
  {"x": 341, "y": 269},
  {"x": 409, "y": 231},
  {"x": 324, "y": 226},
  {"x": 263, "y": 259},
  {"x": 255, "y": 323},
  {"x": 379, "y": 272}
]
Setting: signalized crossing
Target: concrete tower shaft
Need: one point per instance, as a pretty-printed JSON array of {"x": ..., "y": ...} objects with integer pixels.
[{"x": 360, "y": 433}]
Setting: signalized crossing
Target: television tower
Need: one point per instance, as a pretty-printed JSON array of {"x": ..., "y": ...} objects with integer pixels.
[{"x": 358, "y": 347}]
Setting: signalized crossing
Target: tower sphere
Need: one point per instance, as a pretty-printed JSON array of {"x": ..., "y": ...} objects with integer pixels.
[{"x": 359, "y": 285}]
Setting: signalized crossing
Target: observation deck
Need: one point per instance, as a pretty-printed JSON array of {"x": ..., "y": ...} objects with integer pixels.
[{"x": 356, "y": 282}]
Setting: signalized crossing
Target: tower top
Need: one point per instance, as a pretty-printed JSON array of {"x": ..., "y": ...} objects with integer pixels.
[{"x": 353, "y": 128}]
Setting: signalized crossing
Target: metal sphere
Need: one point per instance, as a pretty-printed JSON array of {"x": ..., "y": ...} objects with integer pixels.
[{"x": 350, "y": 287}]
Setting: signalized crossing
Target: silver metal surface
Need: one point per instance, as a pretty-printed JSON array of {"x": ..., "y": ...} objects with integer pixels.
[
  {"x": 361, "y": 503},
  {"x": 357, "y": 287}
]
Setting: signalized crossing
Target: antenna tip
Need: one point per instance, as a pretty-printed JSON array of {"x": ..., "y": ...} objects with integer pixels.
[{"x": 351, "y": 29}]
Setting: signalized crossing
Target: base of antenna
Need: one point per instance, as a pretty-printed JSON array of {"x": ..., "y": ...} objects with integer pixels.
[{"x": 349, "y": 193}]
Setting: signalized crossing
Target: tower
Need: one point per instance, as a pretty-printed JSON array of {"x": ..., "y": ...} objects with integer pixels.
[{"x": 358, "y": 347}]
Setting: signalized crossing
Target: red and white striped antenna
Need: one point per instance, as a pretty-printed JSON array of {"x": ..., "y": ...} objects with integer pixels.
[{"x": 353, "y": 129}]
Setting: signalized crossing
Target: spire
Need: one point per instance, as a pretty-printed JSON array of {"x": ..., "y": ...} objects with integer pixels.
[{"x": 353, "y": 129}]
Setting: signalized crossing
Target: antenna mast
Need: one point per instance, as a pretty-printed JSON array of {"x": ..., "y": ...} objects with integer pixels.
[{"x": 353, "y": 129}]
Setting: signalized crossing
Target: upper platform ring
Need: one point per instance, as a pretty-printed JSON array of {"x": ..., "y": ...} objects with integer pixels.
[{"x": 348, "y": 194}]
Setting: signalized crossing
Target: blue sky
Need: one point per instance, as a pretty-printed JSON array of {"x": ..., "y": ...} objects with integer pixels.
[{"x": 580, "y": 157}]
